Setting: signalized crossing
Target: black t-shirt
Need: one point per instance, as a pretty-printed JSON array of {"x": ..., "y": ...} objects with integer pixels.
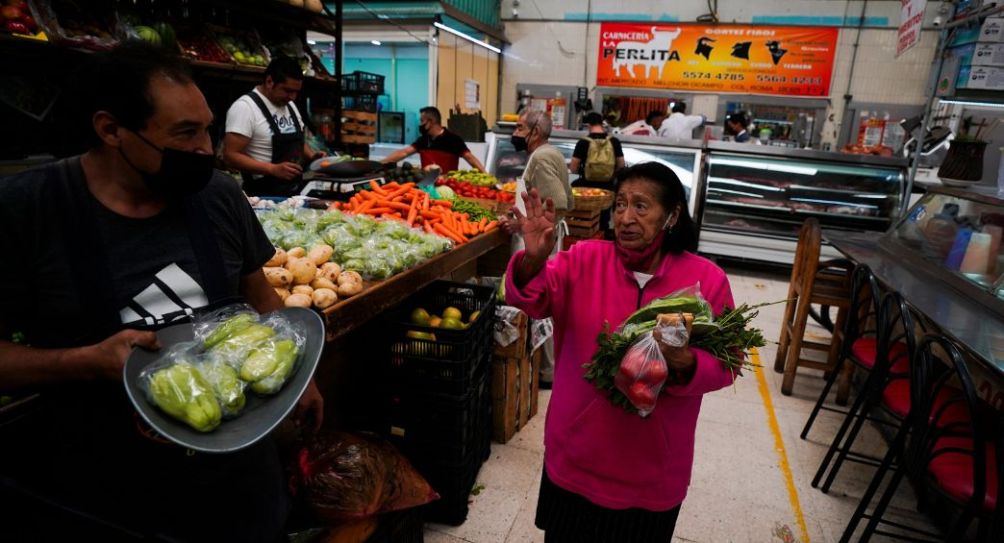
[
  {"x": 447, "y": 141},
  {"x": 155, "y": 277},
  {"x": 581, "y": 151},
  {"x": 83, "y": 446}
]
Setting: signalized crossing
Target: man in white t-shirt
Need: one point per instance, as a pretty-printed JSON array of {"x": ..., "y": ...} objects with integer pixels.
[
  {"x": 648, "y": 127},
  {"x": 679, "y": 125},
  {"x": 265, "y": 137}
]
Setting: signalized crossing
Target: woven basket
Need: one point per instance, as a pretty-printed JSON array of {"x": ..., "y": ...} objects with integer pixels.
[{"x": 595, "y": 203}]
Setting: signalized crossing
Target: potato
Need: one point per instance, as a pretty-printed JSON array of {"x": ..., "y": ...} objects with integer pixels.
[
  {"x": 330, "y": 271},
  {"x": 298, "y": 300},
  {"x": 349, "y": 290},
  {"x": 320, "y": 254},
  {"x": 321, "y": 282},
  {"x": 303, "y": 271},
  {"x": 298, "y": 252},
  {"x": 318, "y": 274},
  {"x": 303, "y": 289},
  {"x": 278, "y": 277},
  {"x": 324, "y": 298},
  {"x": 350, "y": 276},
  {"x": 282, "y": 292},
  {"x": 349, "y": 284},
  {"x": 278, "y": 259}
]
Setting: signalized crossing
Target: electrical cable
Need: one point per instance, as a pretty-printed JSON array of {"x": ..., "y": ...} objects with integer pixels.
[
  {"x": 561, "y": 47},
  {"x": 712, "y": 16}
]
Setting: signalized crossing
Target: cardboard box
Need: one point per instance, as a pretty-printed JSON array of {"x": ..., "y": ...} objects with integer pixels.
[
  {"x": 992, "y": 30},
  {"x": 989, "y": 54},
  {"x": 983, "y": 78}
]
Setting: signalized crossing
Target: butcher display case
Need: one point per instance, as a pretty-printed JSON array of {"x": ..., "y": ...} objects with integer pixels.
[
  {"x": 757, "y": 197},
  {"x": 683, "y": 157}
]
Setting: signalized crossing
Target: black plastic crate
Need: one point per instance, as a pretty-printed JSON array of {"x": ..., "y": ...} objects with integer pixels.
[
  {"x": 454, "y": 484},
  {"x": 448, "y": 364},
  {"x": 360, "y": 102},
  {"x": 441, "y": 428},
  {"x": 362, "y": 82},
  {"x": 407, "y": 526}
]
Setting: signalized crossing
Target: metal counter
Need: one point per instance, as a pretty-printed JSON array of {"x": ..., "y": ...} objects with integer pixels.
[{"x": 972, "y": 325}]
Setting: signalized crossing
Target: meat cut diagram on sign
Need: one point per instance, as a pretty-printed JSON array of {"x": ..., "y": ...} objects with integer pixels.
[{"x": 651, "y": 54}]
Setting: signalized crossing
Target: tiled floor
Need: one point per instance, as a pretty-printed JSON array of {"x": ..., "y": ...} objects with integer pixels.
[{"x": 738, "y": 492}]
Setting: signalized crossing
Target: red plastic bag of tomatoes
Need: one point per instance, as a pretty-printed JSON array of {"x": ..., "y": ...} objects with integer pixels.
[{"x": 642, "y": 374}]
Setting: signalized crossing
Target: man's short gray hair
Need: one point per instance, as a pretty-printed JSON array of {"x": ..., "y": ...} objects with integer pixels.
[{"x": 540, "y": 120}]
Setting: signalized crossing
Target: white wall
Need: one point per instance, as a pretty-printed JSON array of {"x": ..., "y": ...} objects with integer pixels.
[{"x": 548, "y": 48}]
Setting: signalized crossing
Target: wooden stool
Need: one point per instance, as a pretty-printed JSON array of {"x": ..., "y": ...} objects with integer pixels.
[{"x": 812, "y": 282}]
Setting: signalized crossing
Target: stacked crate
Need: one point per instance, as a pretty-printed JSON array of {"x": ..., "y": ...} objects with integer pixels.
[{"x": 438, "y": 406}]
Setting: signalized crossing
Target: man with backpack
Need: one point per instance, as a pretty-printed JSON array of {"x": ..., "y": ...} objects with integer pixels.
[{"x": 597, "y": 156}]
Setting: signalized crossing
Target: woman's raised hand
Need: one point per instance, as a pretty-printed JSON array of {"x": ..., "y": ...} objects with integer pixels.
[{"x": 537, "y": 226}]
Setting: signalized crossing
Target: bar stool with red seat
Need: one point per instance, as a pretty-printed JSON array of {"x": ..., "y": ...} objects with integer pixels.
[
  {"x": 954, "y": 454},
  {"x": 893, "y": 347},
  {"x": 823, "y": 283},
  {"x": 857, "y": 338}
]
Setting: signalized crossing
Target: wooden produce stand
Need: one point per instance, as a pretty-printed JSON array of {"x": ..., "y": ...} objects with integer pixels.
[
  {"x": 349, "y": 375},
  {"x": 378, "y": 296}
]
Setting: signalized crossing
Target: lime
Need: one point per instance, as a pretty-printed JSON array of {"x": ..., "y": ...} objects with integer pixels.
[
  {"x": 452, "y": 313},
  {"x": 452, "y": 324},
  {"x": 415, "y": 334},
  {"x": 420, "y": 316}
]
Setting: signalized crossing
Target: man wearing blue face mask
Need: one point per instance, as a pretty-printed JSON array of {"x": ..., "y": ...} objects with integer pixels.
[{"x": 135, "y": 234}]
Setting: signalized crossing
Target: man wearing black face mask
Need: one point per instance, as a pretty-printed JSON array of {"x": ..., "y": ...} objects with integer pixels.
[
  {"x": 436, "y": 145},
  {"x": 136, "y": 233}
]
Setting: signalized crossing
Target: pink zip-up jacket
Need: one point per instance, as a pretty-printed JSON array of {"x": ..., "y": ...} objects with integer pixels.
[{"x": 593, "y": 448}]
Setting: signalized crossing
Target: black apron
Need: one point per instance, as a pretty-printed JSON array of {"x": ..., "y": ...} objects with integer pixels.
[
  {"x": 83, "y": 452},
  {"x": 285, "y": 148}
]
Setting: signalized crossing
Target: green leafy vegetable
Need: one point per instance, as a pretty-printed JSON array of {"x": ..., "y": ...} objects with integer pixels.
[{"x": 727, "y": 337}]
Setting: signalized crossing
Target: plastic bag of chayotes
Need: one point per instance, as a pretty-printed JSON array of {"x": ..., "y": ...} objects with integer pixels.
[{"x": 235, "y": 350}]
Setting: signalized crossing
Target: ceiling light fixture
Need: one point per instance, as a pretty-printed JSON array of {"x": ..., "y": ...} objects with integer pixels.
[{"x": 467, "y": 37}]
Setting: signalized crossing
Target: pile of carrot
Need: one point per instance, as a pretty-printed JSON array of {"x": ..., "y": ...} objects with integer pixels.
[{"x": 414, "y": 207}]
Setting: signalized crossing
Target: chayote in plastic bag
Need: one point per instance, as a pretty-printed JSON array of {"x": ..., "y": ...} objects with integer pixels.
[
  {"x": 237, "y": 345},
  {"x": 230, "y": 327},
  {"x": 228, "y": 387},
  {"x": 283, "y": 354},
  {"x": 182, "y": 392}
]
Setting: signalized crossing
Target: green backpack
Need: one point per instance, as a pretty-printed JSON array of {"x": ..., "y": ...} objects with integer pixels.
[{"x": 600, "y": 161}]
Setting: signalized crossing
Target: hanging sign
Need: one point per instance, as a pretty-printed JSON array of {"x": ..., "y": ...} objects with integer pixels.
[
  {"x": 787, "y": 61},
  {"x": 911, "y": 16}
]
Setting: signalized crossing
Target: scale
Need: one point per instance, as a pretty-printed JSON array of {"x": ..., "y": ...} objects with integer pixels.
[{"x": 329, "y": 180}]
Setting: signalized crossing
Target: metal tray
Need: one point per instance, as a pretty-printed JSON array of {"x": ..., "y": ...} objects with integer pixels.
[{"x": 261, "y": 414}]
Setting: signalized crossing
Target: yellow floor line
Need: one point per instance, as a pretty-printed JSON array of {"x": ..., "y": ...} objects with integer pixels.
[{"x": 789, "y": 480}]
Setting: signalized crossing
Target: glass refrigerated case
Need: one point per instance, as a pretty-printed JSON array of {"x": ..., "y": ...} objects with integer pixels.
[
  {"x": 683, "y": 157},
  {"x": 757, "y": 198}
]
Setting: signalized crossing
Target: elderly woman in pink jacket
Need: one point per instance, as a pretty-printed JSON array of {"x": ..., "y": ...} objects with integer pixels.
[{"x": 610, "y": 475}]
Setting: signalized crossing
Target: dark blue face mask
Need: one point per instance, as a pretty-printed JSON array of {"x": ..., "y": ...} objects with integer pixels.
[
  {"x": 182, "y": 173},
  {"x": 519, "y": 142}
]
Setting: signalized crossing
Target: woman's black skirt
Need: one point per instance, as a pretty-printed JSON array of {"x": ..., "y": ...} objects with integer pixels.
[{"x": 568, "y": 517}]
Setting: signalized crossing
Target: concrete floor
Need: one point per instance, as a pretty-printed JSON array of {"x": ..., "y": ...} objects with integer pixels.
[{"x": 738, "y": 492}]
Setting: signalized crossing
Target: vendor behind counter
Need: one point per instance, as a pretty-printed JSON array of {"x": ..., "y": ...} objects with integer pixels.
[{"x": 436, "y": 145}]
